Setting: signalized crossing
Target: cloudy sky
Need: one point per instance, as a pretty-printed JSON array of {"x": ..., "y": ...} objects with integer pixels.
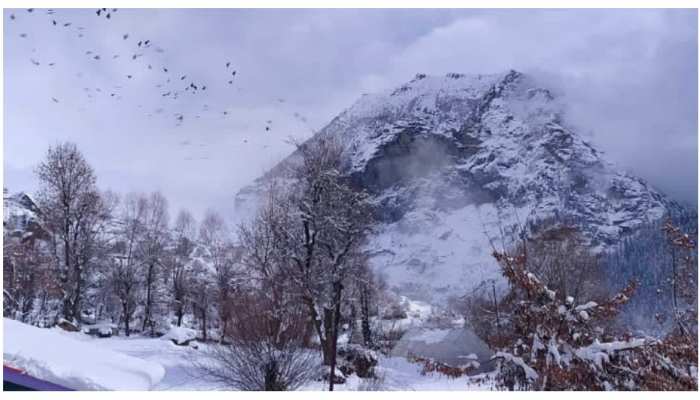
[{"x": 629, "y": 77}]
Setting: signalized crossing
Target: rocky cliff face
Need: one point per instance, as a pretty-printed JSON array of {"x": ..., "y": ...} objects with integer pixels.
[{"x": 455, "y": 162}]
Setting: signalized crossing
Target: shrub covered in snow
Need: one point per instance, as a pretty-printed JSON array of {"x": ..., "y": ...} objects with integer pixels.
[
  {"x": 180, "y": 335},
  {"x": 559, "y": 344}
]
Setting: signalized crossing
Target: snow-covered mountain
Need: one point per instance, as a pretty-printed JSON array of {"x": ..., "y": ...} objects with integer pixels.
[
  {"x": 20, "y": 215},
  {"x": 455, "y": 162}
]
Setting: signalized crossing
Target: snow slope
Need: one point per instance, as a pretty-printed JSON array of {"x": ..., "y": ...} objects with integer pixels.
[{"x": 58, "y": 357}]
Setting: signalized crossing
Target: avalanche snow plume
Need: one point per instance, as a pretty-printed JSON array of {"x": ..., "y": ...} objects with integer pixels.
[{"x": 457, "y": 163}]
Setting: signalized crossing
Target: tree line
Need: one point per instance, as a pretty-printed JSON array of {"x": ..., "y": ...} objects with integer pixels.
[{"x": 286, "y": 279}]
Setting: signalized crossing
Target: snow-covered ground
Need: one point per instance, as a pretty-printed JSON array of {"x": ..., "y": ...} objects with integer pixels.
[
  {"x": 397, "y": 373},
  {"x": 62, "y": 358},
  {"x": 84, "y": 362}
]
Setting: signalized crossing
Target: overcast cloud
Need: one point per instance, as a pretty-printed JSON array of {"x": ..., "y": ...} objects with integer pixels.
[{"x": 628, "y": 76}]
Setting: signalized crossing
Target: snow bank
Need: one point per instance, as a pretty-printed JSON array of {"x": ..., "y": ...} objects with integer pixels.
[
  {"x": 180, "y": 335},
  {"x": 55, "y": 356}
]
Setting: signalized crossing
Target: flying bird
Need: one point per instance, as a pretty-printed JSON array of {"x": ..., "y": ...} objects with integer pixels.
[
  {"x": 139, "y": 43},
  {"x": 53, "y": 21},
  {"x": 30, "y": 9},
  {"x": 96, "y": 57},
  {"x": 165, "y": 69},
  {"x": 125, "y": 36},
  {"x": 23, "y": 35},
  {"x": 182, "y": 78},
  {"x": 228, "y": 64},
  {"x": 128, "y": 76},
  {"x": 233, "y": 73},
  {"x": 52, "y": 64},
  {"x": 99, "y": 12},
  {"x": 109, "y": 16},
  {"x": 54, "y": 100},
  {"x": 35, "y": 62},
  {"x": 67, "y": 24},
  {"x": 12, "y": 17}
]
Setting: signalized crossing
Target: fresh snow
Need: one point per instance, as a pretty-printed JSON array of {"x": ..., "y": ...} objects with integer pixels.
[
  {"x": 58, "y": 357},
  {"x": 180, "y": 335},
  {"x": 83, "y": 362}
]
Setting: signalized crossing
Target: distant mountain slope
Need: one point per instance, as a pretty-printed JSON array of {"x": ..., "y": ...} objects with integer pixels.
[{"x": 455, "y": 162}]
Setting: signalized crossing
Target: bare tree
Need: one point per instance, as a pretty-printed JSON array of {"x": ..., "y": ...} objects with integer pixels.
[
  {"x": 125, "y": 261},
  {"x": 222, "y": 255},
  {"x": 684, "y": 280},
  {"x": 25, "y": 274},
  {"x": 179, "y": 261},
  {"x": 70, "y": 205},
  {"x": 152, "y": 251},
  {"x": 560, "y": 256}
]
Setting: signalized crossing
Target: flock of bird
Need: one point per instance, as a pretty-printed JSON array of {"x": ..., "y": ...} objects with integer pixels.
[{"x": 143, "y": 55}]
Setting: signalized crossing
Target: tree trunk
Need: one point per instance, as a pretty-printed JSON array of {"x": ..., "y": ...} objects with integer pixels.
[
  {"x": 337, "y": 289},
  {"x": 204, "y": 324},
  {"x": 328, "y": 335},
  {"x": 179, "y": 314},
  {"x": 147, "y": 311},
  {"x": 77, "y": 295},
  {"x": 355, "y": 332},
  {"x": 364, "y": 312},
  {"x": 319, "y": 327},
  {"x": 127, "y": 318}
]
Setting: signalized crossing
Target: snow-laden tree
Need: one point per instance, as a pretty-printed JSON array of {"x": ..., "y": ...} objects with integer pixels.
[
  {"x": 326, "y": 220},
  {"x": 566, "y": 344}
]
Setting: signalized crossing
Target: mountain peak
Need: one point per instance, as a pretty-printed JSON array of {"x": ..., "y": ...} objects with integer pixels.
[{"x": 452, "y": 162}]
